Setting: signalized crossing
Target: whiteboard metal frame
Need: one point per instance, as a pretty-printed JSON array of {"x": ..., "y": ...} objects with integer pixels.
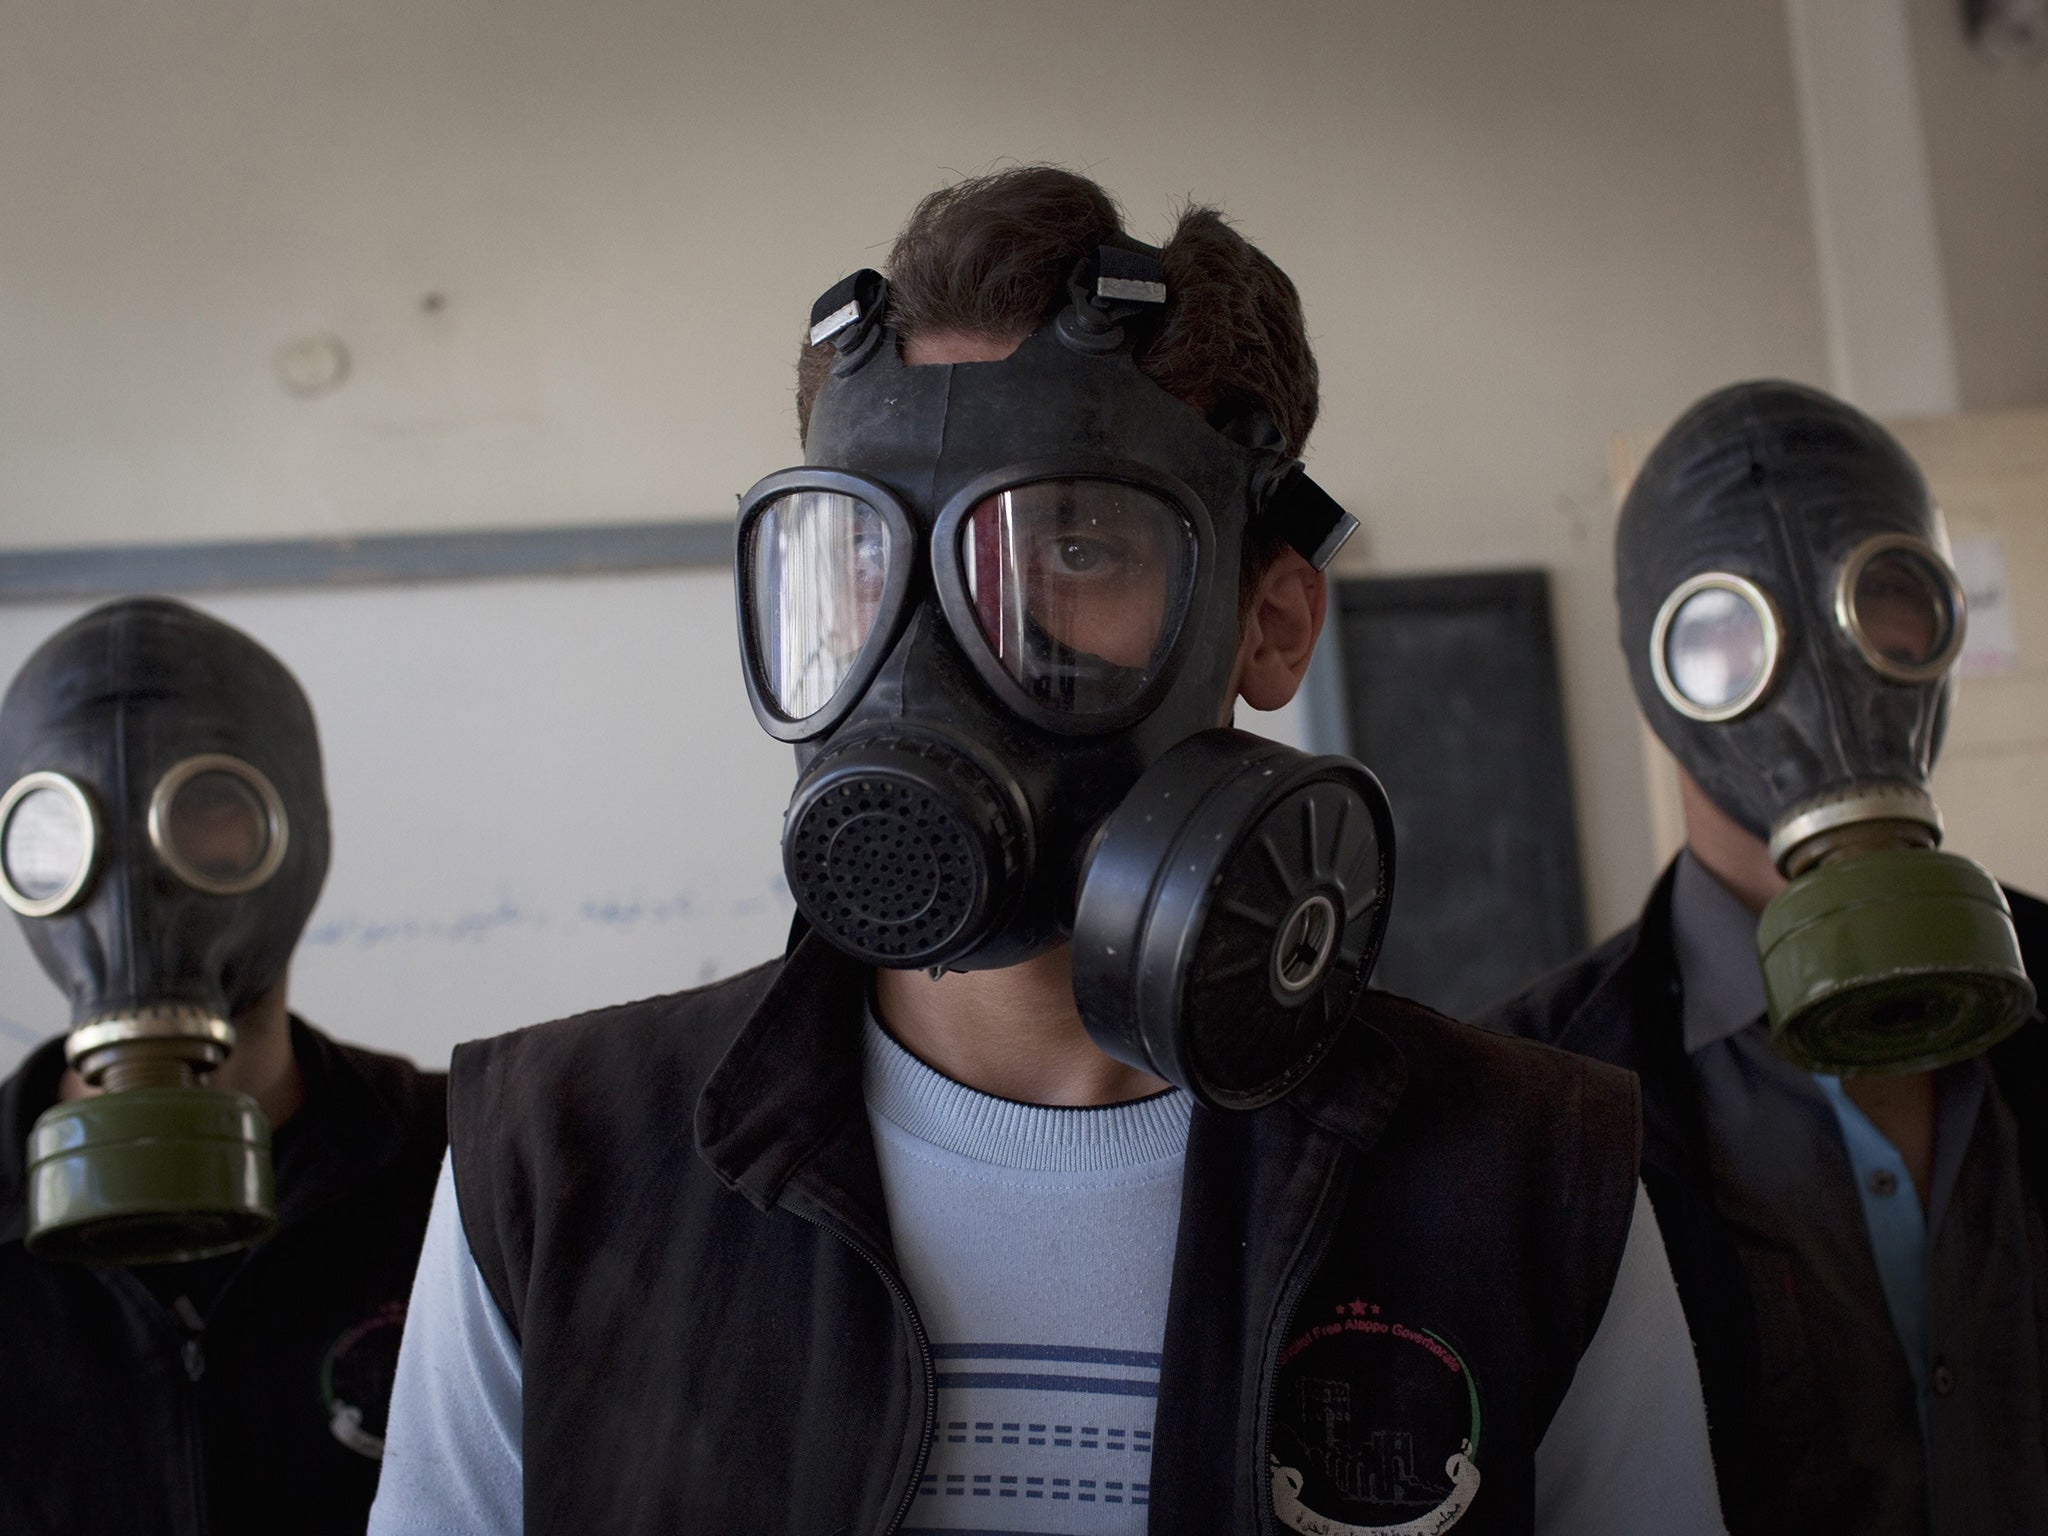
[{"x": 89, "y": 571}]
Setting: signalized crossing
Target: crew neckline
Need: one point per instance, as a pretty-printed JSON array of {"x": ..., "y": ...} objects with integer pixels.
[{"x": 1047, "y": 1138}]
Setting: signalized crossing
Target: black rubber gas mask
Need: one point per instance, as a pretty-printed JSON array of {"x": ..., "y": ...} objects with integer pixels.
[
  {"x": 163, "y": 837},
  {"x": 1791, "y": 622},
  {"x": 997, "y": 615}
]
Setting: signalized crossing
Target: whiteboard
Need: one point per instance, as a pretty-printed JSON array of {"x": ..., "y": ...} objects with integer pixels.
[{"x": 548, "y": 794}]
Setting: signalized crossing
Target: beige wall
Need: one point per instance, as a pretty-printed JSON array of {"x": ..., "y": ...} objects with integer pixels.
[
  {"x": 1989, "y": 471},
  {"x": 1519, "y": 227},
  {"x": 1986, "y": 123}
]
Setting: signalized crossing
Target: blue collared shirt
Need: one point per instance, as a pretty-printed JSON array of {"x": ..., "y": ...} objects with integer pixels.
[
  {"x": 1901, "y": 1351},
  {"x": 1897, "y": 1225}
]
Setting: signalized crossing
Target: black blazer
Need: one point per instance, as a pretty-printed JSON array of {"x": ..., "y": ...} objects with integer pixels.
[{"x": 1621, "y": 1003}]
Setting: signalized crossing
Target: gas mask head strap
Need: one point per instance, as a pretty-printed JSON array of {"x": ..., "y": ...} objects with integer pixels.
[
  {"x": 1119, "y": 290},
  {"x": 1306, "y": 516},
  {"x": 1116, "y": 298},
  {"x": 1124, "y": 289},
  {"x": 849, "y": 315}
]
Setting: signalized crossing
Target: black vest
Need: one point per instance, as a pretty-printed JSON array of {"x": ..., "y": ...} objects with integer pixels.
[
  {"x": 246, "y": 1410},
  {"x": 1418, "y": 1242}
]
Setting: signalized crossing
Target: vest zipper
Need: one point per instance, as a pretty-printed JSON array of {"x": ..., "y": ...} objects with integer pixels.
[
  {"x": 192, "y": 1356},
  {"x": 901, "y": 1295},
  {"x": 1269, "y": 1370}
]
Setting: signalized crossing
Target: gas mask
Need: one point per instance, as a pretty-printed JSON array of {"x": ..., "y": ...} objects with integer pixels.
[
  {"x": 996, "y": 614},
  {"x": 163, "y": 837},
  {"x": 1791, "y": 622}
]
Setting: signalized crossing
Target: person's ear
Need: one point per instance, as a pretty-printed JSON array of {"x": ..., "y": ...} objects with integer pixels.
[{"x": 1280, "y": 627}]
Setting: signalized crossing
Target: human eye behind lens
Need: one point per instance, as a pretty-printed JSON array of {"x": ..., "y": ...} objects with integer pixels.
[
  {"x": 871, "y": 558},
  {"x": 1090, "y": 556},
  {"x": 1081, "y": 542}
]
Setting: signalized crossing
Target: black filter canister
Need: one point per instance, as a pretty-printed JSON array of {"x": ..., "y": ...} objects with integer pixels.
[{"x": 1231, "y": 915}]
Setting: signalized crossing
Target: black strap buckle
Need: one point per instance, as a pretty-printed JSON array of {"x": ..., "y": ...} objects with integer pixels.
[
  {"x": 847, "y": 310},
  {"x": 1116, "y": 286},
  {"x": 1308, "y": 517}
]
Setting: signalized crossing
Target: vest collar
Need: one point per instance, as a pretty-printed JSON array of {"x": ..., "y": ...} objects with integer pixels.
[
  {"x": 1639, "y": 988},
  {"x": 349, "y": 1129},
  {"x": 1354, "y": 1092},
  {"x": 31, "y": 1090},
  {"x": 1633, "y": 1018},
  {"x": 791, "y": 1080},
  {"x": 1713, "y": 942}
]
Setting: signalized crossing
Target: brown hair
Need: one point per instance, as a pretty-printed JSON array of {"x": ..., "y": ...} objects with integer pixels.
[{"x": 990, "y": 257}]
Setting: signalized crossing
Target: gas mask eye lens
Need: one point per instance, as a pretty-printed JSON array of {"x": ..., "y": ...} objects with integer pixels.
[
  {"x": 1902, "y": 607},
  {"x": 816, "y": 564},
  {"x": 218, "y": 824},
  {"x": 1715, "y": 646},
  {"x": 48, "y": 838},
  {"x": 1077, "y": 587}
]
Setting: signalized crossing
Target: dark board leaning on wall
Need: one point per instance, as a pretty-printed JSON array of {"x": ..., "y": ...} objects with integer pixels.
[{"x": 1451, "y": 692}]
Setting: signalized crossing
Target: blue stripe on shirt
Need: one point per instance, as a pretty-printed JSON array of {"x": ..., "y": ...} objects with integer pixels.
[
  {"x": 1071, "y": 1352},
  {"x": 1107, "y": 1386}
]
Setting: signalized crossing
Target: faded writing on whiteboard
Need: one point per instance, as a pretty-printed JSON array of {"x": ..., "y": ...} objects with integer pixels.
[{"x": 512, "y": 916}]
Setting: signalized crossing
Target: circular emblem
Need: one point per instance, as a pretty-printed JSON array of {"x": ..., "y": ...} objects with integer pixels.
[
  {"x": 1375, "y": 1428},
  {"x": 356, "y": 1380}
]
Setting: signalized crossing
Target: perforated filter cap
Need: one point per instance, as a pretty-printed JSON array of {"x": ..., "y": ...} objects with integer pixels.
[{"x": 900, "y": 852}]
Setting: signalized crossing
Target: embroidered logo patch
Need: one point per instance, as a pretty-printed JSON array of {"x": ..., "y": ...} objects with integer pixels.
[
  {"x": 1375, "y": 1428},
  {"x": 356, "y": 1380}
]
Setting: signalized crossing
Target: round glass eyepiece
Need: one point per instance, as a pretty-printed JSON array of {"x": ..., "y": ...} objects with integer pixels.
[
  {"x": 1901, "y": 606},
  {"x": 218, "y": 825},
  {"x": 1077, "y": 587},
  {"x": 1715, "y": 646},
  {"x": 815, "y": 566},
  {"x": 49, "y": 842}
]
